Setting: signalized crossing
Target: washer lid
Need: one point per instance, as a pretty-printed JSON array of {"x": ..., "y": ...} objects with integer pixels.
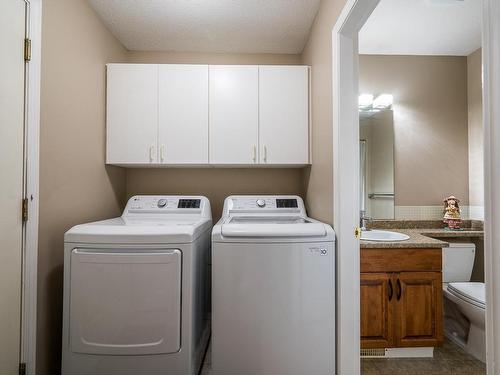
[
  {"x": 272, "y": 226},
  {"x": 470, "y": 291}
]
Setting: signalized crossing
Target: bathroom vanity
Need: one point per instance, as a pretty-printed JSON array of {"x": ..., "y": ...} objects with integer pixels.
[
  {"x": 401, "y": 289},
  {"x": 401, "y": 297}
]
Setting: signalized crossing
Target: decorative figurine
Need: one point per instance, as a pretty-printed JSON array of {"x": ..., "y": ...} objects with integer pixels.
[{"x": 452, "y": 213}]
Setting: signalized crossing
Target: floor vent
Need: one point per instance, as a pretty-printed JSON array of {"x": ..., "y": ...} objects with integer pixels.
[{"x": 372, "y": 353}]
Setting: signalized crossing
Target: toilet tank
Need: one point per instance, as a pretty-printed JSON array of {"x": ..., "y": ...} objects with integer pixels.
[{"x": 458, "y": 260}]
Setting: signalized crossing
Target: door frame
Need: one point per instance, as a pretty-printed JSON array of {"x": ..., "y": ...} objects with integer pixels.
[
  {"x": 32, "y": 141},
  {"x": 346, "y": 177}
]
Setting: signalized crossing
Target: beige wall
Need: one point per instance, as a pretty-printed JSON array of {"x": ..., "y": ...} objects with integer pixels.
[
  {"x": 430, "y": 123},
  {"x": 75, "y": 186},
  {"x": 215, "y": 183},
  {"x": 475, "y": 112},
  {"x": 211, "y": 58},
  {"x": 318, "y": 179}
]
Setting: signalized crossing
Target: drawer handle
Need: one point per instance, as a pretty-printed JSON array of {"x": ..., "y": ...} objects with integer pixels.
[
  {"x": 391, "y": 292},
  {"x": 265, "y": 154},
  {"x": 399, "y": 290},
  {"x": 254, "y": 157}
]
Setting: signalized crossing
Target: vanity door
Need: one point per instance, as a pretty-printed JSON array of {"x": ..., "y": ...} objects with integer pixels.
[
  {"x": 377, "y": 310},
  {"x": 419, "y": 313}
]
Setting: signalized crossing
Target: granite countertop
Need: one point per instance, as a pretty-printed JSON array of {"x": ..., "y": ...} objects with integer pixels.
[{"x": 422, "y": 238}]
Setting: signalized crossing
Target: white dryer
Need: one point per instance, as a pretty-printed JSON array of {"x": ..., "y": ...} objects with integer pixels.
[
  {"x": 273, "y": 289},
  {"x": 135, "y": 290}
]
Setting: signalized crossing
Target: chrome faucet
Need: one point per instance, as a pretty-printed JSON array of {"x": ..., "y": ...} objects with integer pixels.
[{"x": 363, "y": 220}]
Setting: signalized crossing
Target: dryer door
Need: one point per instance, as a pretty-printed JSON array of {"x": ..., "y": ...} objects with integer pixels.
[{"x": 125, "y": 302}]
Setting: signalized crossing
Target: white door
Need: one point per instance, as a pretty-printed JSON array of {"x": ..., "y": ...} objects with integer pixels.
[
  {"x": 183, "y": 114},
  {"x": 284, "y": 114},
  {"x": 132, "y": 114},
  {"x": 12, "y": 33},
  {"x": 125, "y": 303},
  {"x": 233, "y": 114}
]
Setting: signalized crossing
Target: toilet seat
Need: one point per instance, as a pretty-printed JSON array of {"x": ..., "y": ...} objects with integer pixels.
[{"x": 470, "y": 292}]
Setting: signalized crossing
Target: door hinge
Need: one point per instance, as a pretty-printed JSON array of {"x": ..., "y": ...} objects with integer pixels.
[
  {"x": 22, "y": 369},
  {"x": 25, "y": 209},
  {"x": 27, "y": 49}
]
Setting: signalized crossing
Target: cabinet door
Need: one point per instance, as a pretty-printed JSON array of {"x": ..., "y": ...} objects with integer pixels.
[
  {"x": 183, "y": 114},
  {"x": 233, "y": 118},
  {"x": 419, "y": 312},
  {"x": 132, "y": 114},
  {"x": 377, "y": 305},
  {"x": 284, "y": 114}
]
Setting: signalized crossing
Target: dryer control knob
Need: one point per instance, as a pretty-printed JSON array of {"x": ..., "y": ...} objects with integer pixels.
[
  {"x": 162, "y": 203},
  {"x": 261, "y": 203}
]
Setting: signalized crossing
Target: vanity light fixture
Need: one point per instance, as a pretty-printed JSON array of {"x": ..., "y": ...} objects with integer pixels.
[
  {"x": 365, "y": 101},
  {"x": 383, "y": 101}
]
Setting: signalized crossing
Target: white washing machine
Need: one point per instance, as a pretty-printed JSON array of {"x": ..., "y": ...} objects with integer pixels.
[
  {"x": 135, "y": 290},
  {"x": 273, "y": 289}
]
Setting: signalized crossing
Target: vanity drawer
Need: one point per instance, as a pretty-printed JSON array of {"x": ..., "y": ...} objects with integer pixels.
[{"x": 400, "y": 260}]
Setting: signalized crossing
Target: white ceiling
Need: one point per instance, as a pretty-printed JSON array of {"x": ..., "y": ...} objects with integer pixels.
[
  {"x": 238, "y": 26},
  {"x": 423, "y": 27}
]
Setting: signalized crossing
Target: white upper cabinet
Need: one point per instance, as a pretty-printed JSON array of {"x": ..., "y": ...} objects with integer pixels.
[
  {"x": 233, "y": 114},
  {"x": 284, "y": 114},
  {"x": 132, "y": 114},
  {"x": 174, "y": 114},
  {"x": 183, "y": 114}
]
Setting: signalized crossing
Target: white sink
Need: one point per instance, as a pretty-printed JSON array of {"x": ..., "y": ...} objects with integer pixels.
[{"x": 383, "y": 236}]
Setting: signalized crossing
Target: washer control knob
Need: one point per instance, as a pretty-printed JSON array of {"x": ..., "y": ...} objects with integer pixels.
[
  {"x": 162, "y": 203},
  {"x": 261, "y": 203}
]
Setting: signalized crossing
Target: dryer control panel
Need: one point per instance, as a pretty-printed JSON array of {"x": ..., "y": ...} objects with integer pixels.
[{"x": 160, "y": 204}]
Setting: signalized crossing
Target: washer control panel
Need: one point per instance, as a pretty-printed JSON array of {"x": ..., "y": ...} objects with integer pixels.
[{"x": 267, "y": 203}]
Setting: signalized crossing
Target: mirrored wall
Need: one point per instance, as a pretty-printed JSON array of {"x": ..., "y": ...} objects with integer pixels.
[{"x": 376, "y": 159}]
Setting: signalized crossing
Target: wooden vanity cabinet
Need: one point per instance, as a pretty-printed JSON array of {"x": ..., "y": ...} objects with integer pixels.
[
  {"x": 401, "y": 298},
  {"x": 377, "y": 310}
]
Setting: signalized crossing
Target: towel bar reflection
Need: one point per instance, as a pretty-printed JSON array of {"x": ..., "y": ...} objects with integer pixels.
[{"x": 380, "y": 195}]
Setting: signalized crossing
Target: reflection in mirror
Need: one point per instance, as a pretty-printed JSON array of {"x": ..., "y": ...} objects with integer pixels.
[{"x": 376, "y": 162}]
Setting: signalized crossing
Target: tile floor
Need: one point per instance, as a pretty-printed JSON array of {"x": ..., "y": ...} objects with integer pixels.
[{"x": 448, "y": 360}]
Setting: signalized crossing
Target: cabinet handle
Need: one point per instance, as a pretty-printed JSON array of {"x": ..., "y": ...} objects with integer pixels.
[
  {"x": 162, "y": 153},
  {"x": 399, "y": 290},
  {"x": 391, "y": 292},
  {"x": 254, "y": 158},
  {"x": 265, "y": 154},
  {"x": 151, "y": 153}
]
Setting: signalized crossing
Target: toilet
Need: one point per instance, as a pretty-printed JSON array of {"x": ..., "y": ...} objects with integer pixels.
[{"x": 464, "y": 302}]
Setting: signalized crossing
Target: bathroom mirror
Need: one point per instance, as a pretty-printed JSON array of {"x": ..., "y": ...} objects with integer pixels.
[
  {"x": 428, "y": 109},
  {"x": 376, "y": 131}
]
